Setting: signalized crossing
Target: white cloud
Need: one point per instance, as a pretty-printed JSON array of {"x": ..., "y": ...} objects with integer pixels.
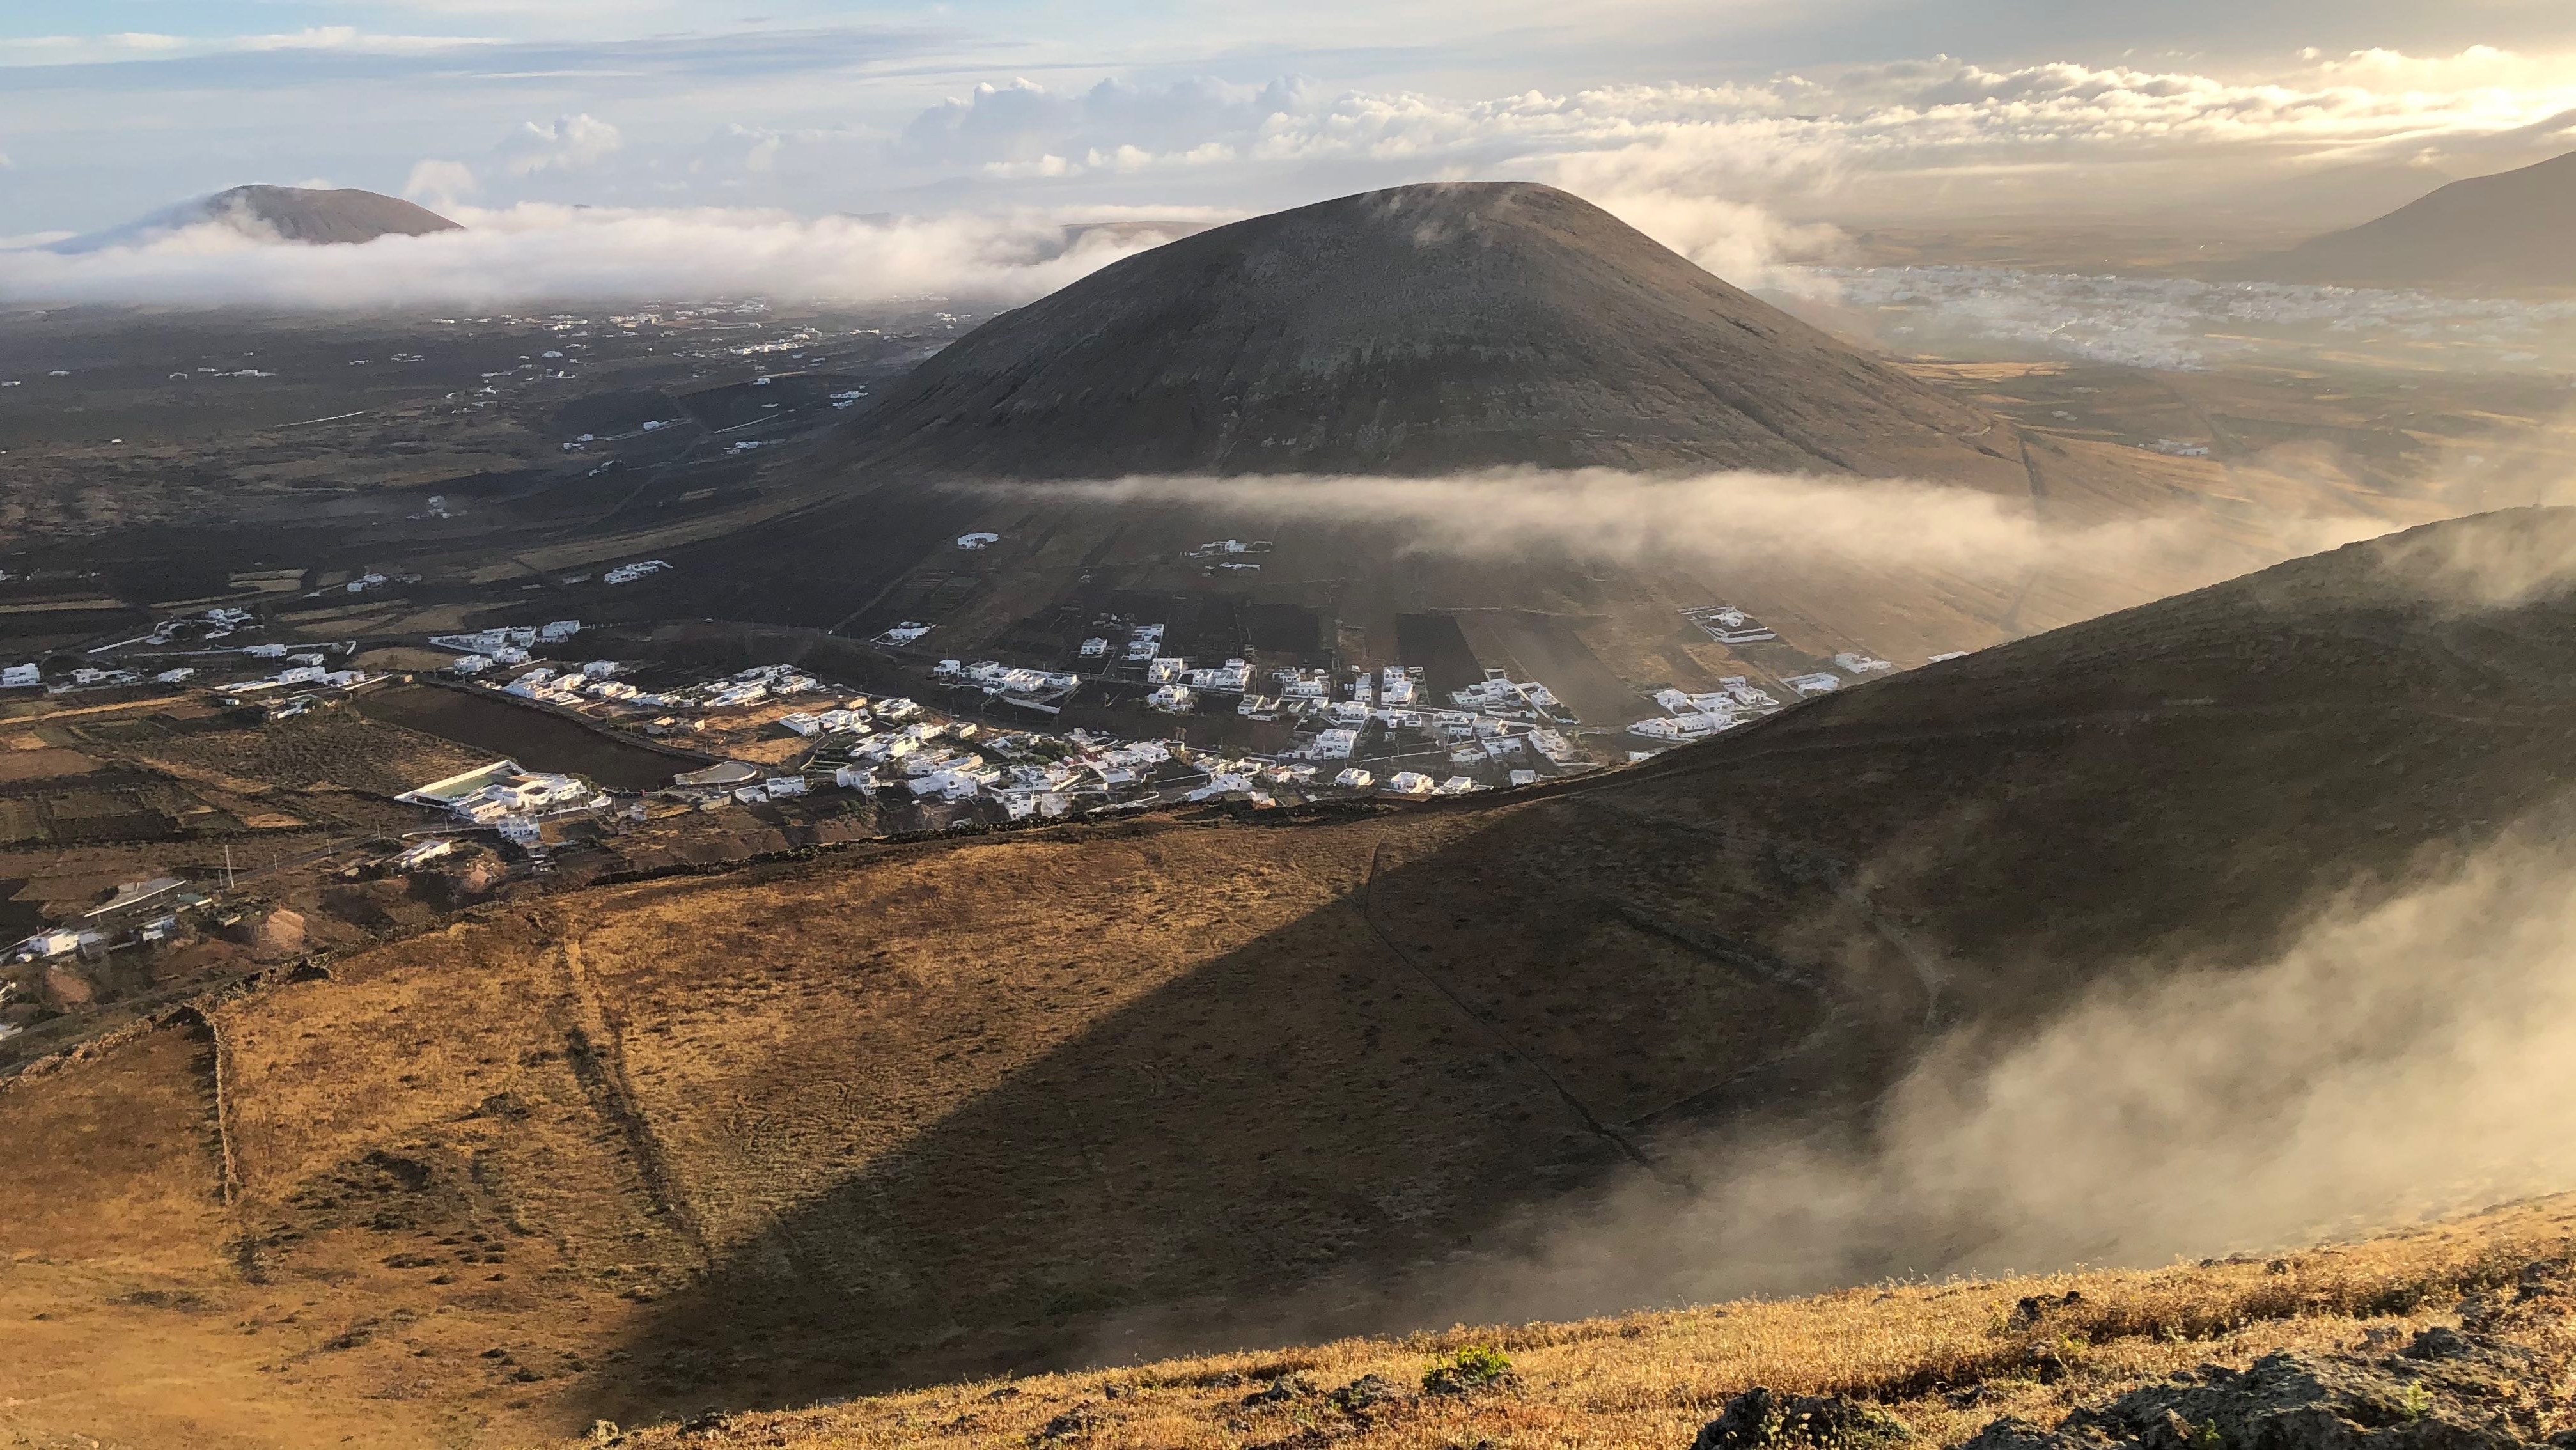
[
  {"x": 439, "y": 184},
  {"x": 568, "y": 143},
  {"x": 535, "y": 252},
  {"x": 1715, "y": 171},
  {"x": 1899, "y": 139},
  {"x": 149, "y": 45}
]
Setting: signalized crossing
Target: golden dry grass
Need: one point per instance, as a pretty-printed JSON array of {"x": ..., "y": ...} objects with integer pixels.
[{"x": 1946, "y": 1358}]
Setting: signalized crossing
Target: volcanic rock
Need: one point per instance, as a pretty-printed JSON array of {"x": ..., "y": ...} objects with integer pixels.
[{"x": 1419, "y": 330}]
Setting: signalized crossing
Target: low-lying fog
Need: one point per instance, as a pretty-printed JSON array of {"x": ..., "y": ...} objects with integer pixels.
[
  {"x": 538, "y": 252},
  {"x": 2402, "y": 1059},
  {"x": 1739, "y": 518}
]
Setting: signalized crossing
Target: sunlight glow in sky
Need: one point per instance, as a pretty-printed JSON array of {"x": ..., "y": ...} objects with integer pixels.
[{"x": 1711, "y": 117}]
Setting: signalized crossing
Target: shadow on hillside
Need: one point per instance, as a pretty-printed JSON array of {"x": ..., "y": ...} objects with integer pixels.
[
  {"x": 1403, "y": 1078},
  {"x": 1292, "y": 1122}
]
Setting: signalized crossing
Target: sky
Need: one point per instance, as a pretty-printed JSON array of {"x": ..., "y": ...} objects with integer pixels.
[{"x": 1736, "y": 130}]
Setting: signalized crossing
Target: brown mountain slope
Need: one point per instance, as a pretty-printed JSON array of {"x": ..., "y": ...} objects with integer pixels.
[
  {"x": 2504, "y": 231},
  {"x": 342, "y": 216},
  {"x": 1067, "y": 1097},
  {"x": 1417, "y": 330}
]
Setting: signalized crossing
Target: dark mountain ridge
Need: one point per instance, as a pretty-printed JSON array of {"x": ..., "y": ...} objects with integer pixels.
[
  {"x": 1418, "y": 330},
  {"x": 307, "y": 215},
  {"x": 2507, "y": 231}
]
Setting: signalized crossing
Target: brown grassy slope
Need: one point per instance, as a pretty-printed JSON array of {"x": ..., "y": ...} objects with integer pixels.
[
  {"x": 1946, "y": 1358},
  {"x": 524, "y": 1130},
  {"x": 972, "y": 1107}
]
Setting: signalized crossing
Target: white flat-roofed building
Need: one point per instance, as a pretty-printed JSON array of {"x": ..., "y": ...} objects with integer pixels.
[
  {"x": 1227, "y": 678},
  {"x": 421, "y": 853}
]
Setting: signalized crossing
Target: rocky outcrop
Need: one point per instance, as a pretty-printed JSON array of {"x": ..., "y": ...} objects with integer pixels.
[
  {"x": 1760, "y": 1419},
  {"x": 2492, "y": 1384}
]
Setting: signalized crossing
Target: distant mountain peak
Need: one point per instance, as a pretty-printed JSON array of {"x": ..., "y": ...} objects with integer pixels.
[
  {"x": 1418, "y": 330},
  {"x": 2508, "y": 231},
  {"x": 305, "y": 215}
]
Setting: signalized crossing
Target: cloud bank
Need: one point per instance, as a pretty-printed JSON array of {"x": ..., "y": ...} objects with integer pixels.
[
  {"x": 1752, "y": 180},
  {"x": 534, "y": 252},
  {"x": 1851, "y": 142},
  {"x": 1732, "y": 518}
]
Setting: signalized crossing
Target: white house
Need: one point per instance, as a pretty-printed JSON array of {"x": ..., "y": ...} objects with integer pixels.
[
  {"x": 1231, "y": 676},
  {"x": 59, "y": 941},
  {"x": 19, "y": 677},
  {"x": 423, "y": 852}
]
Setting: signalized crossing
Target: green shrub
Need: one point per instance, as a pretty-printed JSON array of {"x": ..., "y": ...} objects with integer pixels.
[{"x": 1476, "y": 1367}]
